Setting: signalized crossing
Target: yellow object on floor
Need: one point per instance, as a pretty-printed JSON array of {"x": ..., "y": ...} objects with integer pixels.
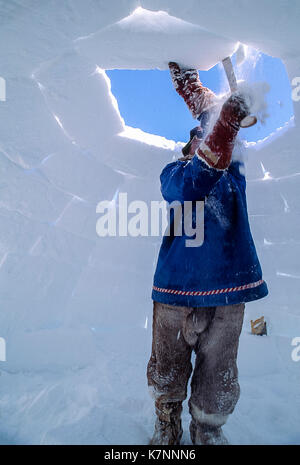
[{"x": 259, "y": 326}]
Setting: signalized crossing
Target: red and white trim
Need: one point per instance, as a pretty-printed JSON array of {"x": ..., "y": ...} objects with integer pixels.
[{"x": 213, "y": 292}]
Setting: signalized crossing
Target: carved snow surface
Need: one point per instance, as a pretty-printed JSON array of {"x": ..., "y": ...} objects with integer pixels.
[{"x": 73, "y": 305}]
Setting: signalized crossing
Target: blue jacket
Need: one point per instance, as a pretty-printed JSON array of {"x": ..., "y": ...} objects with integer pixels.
[{"x": 224, "y": 270}]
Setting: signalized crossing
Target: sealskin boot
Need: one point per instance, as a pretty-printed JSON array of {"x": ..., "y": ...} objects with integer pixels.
[
  {"x": 168, "y": 430},
  {"x": 202, "y": 434}
]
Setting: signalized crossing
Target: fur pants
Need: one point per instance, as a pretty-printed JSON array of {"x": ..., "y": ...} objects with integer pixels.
[{"x": 213, "y": 333}]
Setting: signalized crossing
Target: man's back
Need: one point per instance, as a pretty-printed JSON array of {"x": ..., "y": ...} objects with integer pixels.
[{"x": 224, "y": 269}]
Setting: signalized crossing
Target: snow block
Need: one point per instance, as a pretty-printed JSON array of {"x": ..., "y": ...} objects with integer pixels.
[
  {"x": 78, "y": 95},
  {"x": 147, "y": 40},
  {"x": 252, "y": 23},
  {"x": 80, "y": 174},
  {"x": 30, "y": 132},
  {"x": 29, "y": 194}
]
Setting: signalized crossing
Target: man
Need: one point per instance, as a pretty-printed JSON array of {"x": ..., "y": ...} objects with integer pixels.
[{"x": 199, "y": 293}]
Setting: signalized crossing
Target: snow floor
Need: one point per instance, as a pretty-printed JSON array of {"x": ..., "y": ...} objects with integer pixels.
[{"x": 108, "y": 403}]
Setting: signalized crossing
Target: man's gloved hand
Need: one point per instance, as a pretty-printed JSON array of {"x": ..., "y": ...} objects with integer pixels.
[
  {"x": 239, "y": 110},
  {"x": 178, "y": 74},
  {"x": 188, "y": 85},
  {"x": 234, "y": 110},
  {"x": 216, "y": 149},
  {"x": 174, "y": 66}
]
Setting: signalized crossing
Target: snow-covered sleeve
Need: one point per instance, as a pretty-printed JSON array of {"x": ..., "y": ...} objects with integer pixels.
[
  {"x": 188, "y": 85},
  {"x": 192, "y": 180},
  {"x": 216, "y": 149}
]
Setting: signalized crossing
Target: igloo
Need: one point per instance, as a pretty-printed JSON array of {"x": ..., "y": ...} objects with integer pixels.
[{"x": 75, "y": 308}]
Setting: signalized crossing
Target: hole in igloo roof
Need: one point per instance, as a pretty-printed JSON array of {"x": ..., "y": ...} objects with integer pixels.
[{"x": 148, "y": 101}]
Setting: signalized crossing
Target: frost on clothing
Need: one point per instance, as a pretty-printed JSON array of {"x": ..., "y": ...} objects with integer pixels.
[
  {"x": 188, "y": 85},
  {"x": 217, "y": 147},
  {"x": 225, "y": 269},
  {"x": 214, "y": 386}
]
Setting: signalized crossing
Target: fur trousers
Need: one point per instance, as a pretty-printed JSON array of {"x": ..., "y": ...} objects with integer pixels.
[{"x": 213, "y": 334}]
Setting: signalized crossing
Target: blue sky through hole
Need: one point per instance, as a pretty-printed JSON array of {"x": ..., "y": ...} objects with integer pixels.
[{"x": 147, "y": 99}]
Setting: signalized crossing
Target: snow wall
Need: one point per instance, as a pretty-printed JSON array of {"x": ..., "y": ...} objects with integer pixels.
[{"x": 76, "y": 308}]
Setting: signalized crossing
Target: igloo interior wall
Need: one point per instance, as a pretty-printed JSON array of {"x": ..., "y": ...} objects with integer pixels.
[{"x": 75, "y": 308}]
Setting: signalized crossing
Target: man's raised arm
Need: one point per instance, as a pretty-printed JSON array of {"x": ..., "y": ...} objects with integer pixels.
[{"x": 188, "y": 85}]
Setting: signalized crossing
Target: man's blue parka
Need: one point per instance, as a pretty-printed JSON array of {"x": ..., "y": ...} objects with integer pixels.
[{"x": 225, "y": 269}]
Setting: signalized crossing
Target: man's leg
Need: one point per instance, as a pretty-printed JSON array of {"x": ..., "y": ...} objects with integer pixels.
[
  {"x": 214, "y": 388},
  {"x": 168, "y": 371}
]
